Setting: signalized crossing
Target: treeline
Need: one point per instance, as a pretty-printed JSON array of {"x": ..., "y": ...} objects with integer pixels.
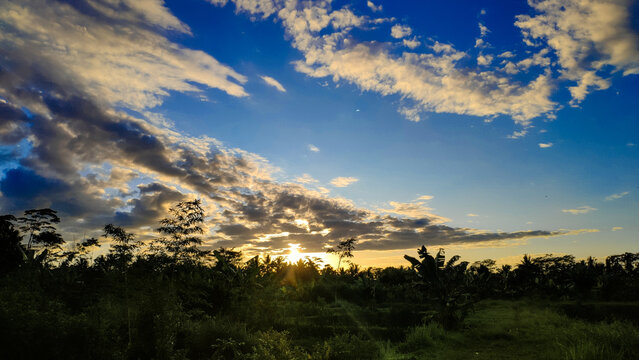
[{"x": 170, "y": 299}]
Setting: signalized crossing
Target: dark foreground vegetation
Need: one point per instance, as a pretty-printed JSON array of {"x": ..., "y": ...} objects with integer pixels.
[{"x": 169, "y": 299}]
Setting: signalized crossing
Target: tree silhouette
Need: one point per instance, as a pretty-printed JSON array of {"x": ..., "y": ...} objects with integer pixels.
[
  {"x": 181, "y": 231},
  {"x": 446, "y": 283},
  {"x": 123, "y": 248},
  {"x": 39, "y": 225},
  {"x": 343, "y": 250},
  {"x": 11, "y": 251}
]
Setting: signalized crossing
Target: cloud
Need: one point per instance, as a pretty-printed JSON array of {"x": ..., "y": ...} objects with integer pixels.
[
  {"x": 272, "y": 82},
  {"x": 617, "y": 228},
  {"x": 343, "y": 181},
  {"x": 399, "y": 31},
  {"x": 472, "y": 215},
  {"x": 416, "y": 209},
  {"x": 313, "y": 148},
  {"x": 591, "y": 40},
  {"x": 411, "y": 44},
  {"x": 519, "y": 134},
  {"x": 580, "y": 210},
  {"x": 617, "y": 196},
  {"x": 435, "y": 80},
  {"x": 578, "y": 231},
  {"x": 425, "y": 197},
  {"x": 373, "y": 7},
  {"x": 587, "y": 36},
  {"x": 92, "y": 39},
  {"x": 305, "y": 179},
  {"x": 545, "y": 145},
  {"x": 484, "y": 60},
  {"x": 483, "y": 30}
]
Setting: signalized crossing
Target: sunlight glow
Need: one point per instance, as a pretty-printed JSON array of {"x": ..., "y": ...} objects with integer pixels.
[{"x": 294, "y": 254}]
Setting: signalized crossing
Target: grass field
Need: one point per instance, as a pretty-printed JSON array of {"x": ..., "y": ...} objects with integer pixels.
[
  {"x": 495, "y": 330},
  {"x": 521, "y": 330}
]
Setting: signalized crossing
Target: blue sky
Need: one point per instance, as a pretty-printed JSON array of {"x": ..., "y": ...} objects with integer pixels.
[{"x": 490, "y": 128}]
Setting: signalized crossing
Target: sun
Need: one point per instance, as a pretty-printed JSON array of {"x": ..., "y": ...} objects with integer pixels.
[{"x": 294, "y": 254}]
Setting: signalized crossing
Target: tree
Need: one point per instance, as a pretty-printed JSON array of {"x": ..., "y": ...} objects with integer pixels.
[
  {"x": 122, "y": 249},
  {"x": 11, "y": 251},
  {"x": 446, "y": 283},
  {"x": 343, "y": 250},
  {"x": 38, "y": 224},
  {"x": 181, "y": 231}
]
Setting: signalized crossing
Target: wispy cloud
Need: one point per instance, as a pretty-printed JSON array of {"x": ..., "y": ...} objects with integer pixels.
[
  {"x": 545, "y": 145},
  {"x": 372, "y": 6},
  {"x": 305, "y": 179},
  {"x": 313, "y": 148},
  {"x": 617, "y": 196},
  {"x": 425, "y": 197},
  {"x": 617, "y": 228},
  {"x": 580, "y": 210},
  {"x": 274, "y": 83},
  {"x": 343, "y": 181},
  {"x": 472, "y": 215}
]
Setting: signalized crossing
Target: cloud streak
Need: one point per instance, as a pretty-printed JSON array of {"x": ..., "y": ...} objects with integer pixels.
[
  {"x": 580, "y": 210},
  {"x": 274, "y": 83},
  {"x": 617, "y": 196},
  {"x": 343, "y": 181}
]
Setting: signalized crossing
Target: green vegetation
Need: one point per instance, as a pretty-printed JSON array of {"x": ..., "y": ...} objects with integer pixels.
[{"x": 170, "y": 299}]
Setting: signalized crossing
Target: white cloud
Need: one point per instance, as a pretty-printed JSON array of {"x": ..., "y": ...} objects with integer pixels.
[
  {"x": 412, "y": 43},
  {"x": 305, "y": 179},
  {"x": 425, "y": 197},
  {"x": 631, "y": 144},
  {"x": 617, "y": 196},
  {"x": 484, "y": 60},
  {"x": 399, "y": 31},
  {"x": 416, "y": 209},
  {"x": 580, "y": 210},
  {"x": 483, "y": 30},
  {"x": 545, "y": 145},
  {"x": 313, "y": 148},
  {"x": 129, "y": 64},
  {"x": 373, "y": 7},
  {"x": 472, "y": 215},
  {"x": 506, "y": 55},
  {"x": 343, "y": 181},
  {"x": 272, "y": 82},
  {"x": 437, "y": 82},
  {"x": 518, "y": 134},
  {"x": 587, "y": 36},
  {"x": 617, "y": 228}
]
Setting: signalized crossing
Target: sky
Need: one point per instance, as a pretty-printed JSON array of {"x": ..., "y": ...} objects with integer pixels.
[{"x": 491, "y": 129}]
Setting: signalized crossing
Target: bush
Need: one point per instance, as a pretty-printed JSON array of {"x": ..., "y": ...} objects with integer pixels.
[
  {"x": 346, "y": 347},
  {"x": 423, "y": 336}
]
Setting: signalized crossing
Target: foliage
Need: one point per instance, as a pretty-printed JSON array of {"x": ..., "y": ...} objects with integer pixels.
[
  {"x": 343, "y": 250},
  {"x": 446, "y": 284},
  {"x": 39, "y": 225},
  {"x": 180, "y": 232}
]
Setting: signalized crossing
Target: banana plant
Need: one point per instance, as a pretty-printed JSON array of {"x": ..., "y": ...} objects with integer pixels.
[{"x": 446, "y": 284}]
